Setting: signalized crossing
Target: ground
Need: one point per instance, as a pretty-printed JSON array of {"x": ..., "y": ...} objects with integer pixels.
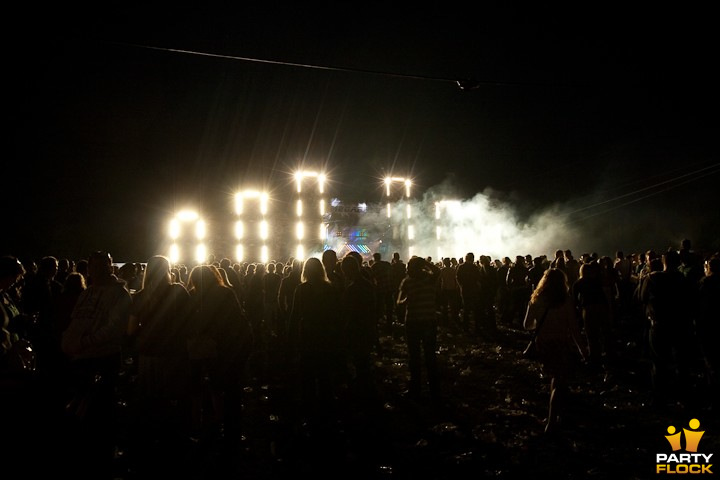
[{"x": 489, "y": 423}]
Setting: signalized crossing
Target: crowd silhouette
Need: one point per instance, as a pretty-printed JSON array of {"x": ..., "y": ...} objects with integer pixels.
[{"x": 178, "y": 346}]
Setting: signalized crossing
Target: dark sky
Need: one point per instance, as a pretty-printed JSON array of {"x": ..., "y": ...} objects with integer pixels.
[{"x": 118, "y": 117}]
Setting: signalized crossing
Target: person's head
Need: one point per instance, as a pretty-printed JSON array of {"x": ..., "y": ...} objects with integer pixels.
[
  {"x": 470, "y": 258},
  {"x": 329, "y": 259},
  {"x": 63, "y": 264},
  {"x": 446, "y": 261},
  {"x": 350, "y": 267},
  {"x": 357, "y": 257},
  {"x": 377, "y": 256},
  {"x": 202, "y": 277},
  {"x": 712, "y": 265},
  {"x": 11, "y": 271},
  {"x": 417, "y": 267},
  {"x": 74, "y": 283},
  {"x": 314, "y": 271},
  {"x": 552, "y": 288},
  {"x": 157, "y": 273},
  {"x": 590, "y": 270},
  {"x": 655, "y": 264},
  {"x": 48, "y": 267},
  {"x": 297, "y": 267},
  {"x": 671, "y": 260},
  {"x": 100, "y": 267}
]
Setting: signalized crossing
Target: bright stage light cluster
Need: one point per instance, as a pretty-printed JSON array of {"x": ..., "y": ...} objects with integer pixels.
[{"x": 256, "y": 222}]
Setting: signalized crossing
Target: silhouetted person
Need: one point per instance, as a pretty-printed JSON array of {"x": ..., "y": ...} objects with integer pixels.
[
  {"x": 223, "y": 328},
  {"x": 468, "y": 277},
  {"x": 360, "y": 318},
  {"x": 417, "y": 293},
  {"x": 159, "y": 328},
  {"x": 94, "y": 341},
  {"x": 382, "y": 274},
  {"x": 316, "y": 336},
  {"x": 666, "y": 295},
  {"x": 708, "y": 324},
  {"x": 551, "y": 310},
  {"x": 589, "y": 297},
  {"x": 449, "y": 293}
]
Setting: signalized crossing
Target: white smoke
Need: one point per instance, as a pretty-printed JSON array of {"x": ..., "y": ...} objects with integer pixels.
[{"x": 445, "y": 226}]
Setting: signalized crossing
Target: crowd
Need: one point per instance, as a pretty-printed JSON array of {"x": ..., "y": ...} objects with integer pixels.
[{"x": 183, "y": 343}]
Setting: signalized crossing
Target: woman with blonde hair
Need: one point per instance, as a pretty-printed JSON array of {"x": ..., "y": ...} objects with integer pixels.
[{"x": 552, "y": 314}]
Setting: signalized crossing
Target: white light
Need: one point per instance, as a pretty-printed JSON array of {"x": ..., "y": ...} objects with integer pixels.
[
  {"x": 264, "y": 203},
  {"x": 239, "y": 252},
  {"x": 411, "y": 232},
  {"x": 239, "y": 230},
  {"x": 264, "y": 257},
  {"x": 299, "y": 175},
  {"x": 300, "y": 230},
  {"x": 407, "y": 188},
  {"x": 322, "y": 206},
  {"x": 409, "y": 211},
  {"x": 323, "y": 231},
  {"x": 300, "y": 252},
  {"x": 174, "y": 229},
  {"x": 200, "y": 230},
  {"x": 264, "y": 230},
  {"x": 187, "y": 215},
  {"x": 437, "y": 233},
  {"x": 238, "y": 203},
  {"x": 388, "y": 210},
  {"x": 437, "y": 210},
  {"x": 200, "y": 253},
  {"x": 298, "y": 208},
  {"x": 174, "y": 254}
]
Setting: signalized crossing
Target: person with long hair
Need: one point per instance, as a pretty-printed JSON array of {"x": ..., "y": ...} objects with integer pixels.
[
  {"x": 220, "y": 345},
  {"x": 315, "y": 335},
  {"x": 158, "y": 328},
  {"x": 551, "y": 311}
]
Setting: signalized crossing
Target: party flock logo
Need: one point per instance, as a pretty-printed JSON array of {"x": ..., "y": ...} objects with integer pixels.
[{"x": 690, "y": 462}]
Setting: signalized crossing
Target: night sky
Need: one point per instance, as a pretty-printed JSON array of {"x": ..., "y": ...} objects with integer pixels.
[{"x": 605, "y": 116}]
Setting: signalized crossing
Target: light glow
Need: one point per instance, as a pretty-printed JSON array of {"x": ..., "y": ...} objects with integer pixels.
[{"x": 200, "y": 253}]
